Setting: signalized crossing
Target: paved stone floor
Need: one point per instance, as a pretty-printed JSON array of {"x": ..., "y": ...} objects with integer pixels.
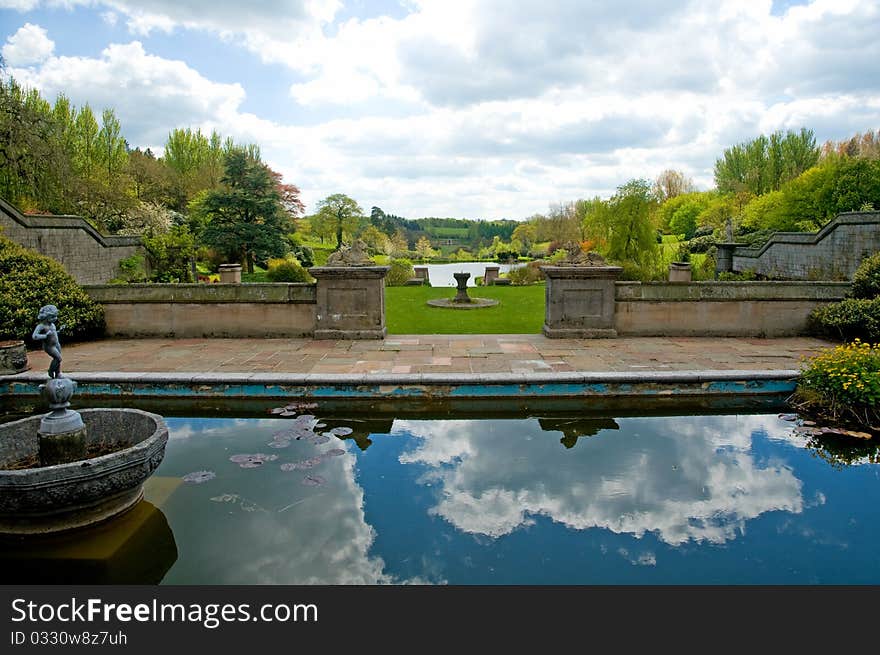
[{"x": 433, "y": 354}]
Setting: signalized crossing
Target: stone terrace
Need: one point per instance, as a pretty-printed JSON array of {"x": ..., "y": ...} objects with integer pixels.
[{"x": 427, "y": 354}]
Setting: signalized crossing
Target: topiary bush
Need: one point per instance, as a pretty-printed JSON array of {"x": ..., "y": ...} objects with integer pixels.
[
  {"x": 853, "y": 318},
  {"x": 28, "y": 281},
  {"x": 287, "y": 270},
  {"x": 401, "y": 270},
  {"x": 866, "y": 280}
]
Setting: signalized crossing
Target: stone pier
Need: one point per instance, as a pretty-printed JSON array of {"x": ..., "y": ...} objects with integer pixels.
[
  {"x": 350, "y": 302},
  {"x": 580, "y": 301}
]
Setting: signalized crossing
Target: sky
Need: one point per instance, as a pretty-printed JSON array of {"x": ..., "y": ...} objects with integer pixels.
[{"x": 460, "y": 108}]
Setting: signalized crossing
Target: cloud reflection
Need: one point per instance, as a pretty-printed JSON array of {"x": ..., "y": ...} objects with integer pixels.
[{"x": 682, "y": 479}]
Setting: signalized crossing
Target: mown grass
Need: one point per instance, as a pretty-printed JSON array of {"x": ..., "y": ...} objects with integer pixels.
[{"x": 520, "y": 311}]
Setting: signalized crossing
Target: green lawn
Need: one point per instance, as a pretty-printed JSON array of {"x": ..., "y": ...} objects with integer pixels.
[{"x": 520, "y": 311}]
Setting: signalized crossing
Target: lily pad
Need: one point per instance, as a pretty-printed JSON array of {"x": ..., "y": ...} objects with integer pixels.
[
  {"x": 252, "y": 461},
  {"x": 318, "y": 439},
  {"x": 788, "y": 417},
  {"x": 277, "y": 410},
  {"x": 197, "y": 477},
  {"x": 279, "y": 444},
  {"x": 341, "y": 431},
  {"x": 333, "y": 452},
  {"x": 313, "y": 481},
  {"x": 303, "y": 464}
]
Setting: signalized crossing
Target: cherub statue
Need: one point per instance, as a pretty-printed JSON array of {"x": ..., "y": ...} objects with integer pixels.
[{"x": 48, "y": 334}]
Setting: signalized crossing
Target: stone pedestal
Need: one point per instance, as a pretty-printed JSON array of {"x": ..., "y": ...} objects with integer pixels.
[
  {"x": 491, "y": 275},
  {"x": 230, "y": 273},
  {"x": 350, "y": 302},
  {"x": 680, "y": 272},
  {"x": 13, "y": 357},
  {"x": 461, "y": 294},
  {"x": 580, "y": 301},
  {"x": 724, "y": 257}
]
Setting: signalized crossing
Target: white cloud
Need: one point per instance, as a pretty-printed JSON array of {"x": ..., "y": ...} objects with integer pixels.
[
  {"x": 19, "y": 5},
  {"x": 495, "y": 109},
  {"x": 29, "y": 45},
  {"x": 151, "y": 95}
]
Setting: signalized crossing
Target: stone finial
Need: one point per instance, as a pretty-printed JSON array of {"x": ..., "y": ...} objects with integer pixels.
[
  {"x": 577, "y": 257},
  {"x": 354, "y": 255}
]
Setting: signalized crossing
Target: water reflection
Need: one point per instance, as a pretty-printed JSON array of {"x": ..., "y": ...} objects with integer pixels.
[
  {"x": 264, "y": 525},
  {"x": 688, "y": 479},
  {"x": 573, "y": 429},
  {"x": 565, "y": 499},
  {"x": 135, "y": 548}
]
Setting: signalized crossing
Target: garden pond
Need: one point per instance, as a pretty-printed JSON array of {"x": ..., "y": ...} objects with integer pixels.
[{"x": 319, "y": 495}]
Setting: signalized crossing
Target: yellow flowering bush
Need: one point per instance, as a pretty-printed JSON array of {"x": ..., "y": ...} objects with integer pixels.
[{"x": 843, "y": 383}]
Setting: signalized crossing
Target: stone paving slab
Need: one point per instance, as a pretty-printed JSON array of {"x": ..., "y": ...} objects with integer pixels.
[{"x": 432, "y": 354}]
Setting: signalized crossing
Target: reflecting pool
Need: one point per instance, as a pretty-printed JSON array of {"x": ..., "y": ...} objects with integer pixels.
[{"x": 321, "y": 499}]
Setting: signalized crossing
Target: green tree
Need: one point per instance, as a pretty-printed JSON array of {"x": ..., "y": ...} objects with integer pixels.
[
  {"x": 765, "y": 163},
  {"x": 631, "y": 235},
  {"x": 247, "y": 219},
  {"x": 343, "y": 212},
  {"x": 424, "y": 249}
]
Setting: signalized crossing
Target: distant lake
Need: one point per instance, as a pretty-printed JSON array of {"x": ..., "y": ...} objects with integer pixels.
[{"x": 441, "y": 275}]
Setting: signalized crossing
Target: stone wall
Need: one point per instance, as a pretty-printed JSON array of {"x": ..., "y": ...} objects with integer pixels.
[
  {"x": 90, "y": 257},
  {"x": 760, "y": 309},
  {"x": 832, "y": 253},
  {"x": 207, "y": 310}
]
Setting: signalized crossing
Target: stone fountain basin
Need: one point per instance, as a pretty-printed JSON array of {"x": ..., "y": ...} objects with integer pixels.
[{"x": 128, "y": 444}]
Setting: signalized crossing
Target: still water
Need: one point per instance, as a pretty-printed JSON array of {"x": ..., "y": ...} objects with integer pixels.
[
  {"x": 441, "y": 275},
  {"x": 729, "y": 499}
]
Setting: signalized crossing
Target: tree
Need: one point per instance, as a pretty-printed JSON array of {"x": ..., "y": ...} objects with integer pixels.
[
  {"x": 766, "y": 163},
  {"x": 526, "y": 234},
  {"x": 631, "y": 235},
  {"x": 681, "y": 214},
  {"x": 343, "y": 211},
  {"x": 247, "y": 219},
  {"x": 670, "y": 184},
  {"x": 147, "y": 174},
  {"x": 377, "y": 240},
  {"x": 424, "y": 249}
]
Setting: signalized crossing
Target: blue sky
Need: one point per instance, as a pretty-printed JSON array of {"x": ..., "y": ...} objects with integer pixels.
[{"x": 469, "y": 108}]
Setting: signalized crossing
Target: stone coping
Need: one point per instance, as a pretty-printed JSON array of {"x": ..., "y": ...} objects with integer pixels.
[
  {"x": 730, "y": 291},
  {"x": 843, "y": 218},
  {"x": 281, "y": 292},
  {"x": 440, "y": 379}
]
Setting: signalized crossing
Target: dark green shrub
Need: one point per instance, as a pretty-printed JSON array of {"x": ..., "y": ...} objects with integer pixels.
[
  {"x": 503, "y": 256},
  {"x": 401, "y": 270},
  {"x": 287, "y": 270},
  {"x": 853, "y": 318},
  {"x": 28, "y": 281},
  {"x": 131, "y": 269},
  {"x": 866, "y": 280},
  {"x": 304, "y": 255},
  {"x": 702, "y": 243}
]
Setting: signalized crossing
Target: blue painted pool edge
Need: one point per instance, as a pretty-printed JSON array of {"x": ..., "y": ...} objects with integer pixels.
[{"x": 340, "y": 386}]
